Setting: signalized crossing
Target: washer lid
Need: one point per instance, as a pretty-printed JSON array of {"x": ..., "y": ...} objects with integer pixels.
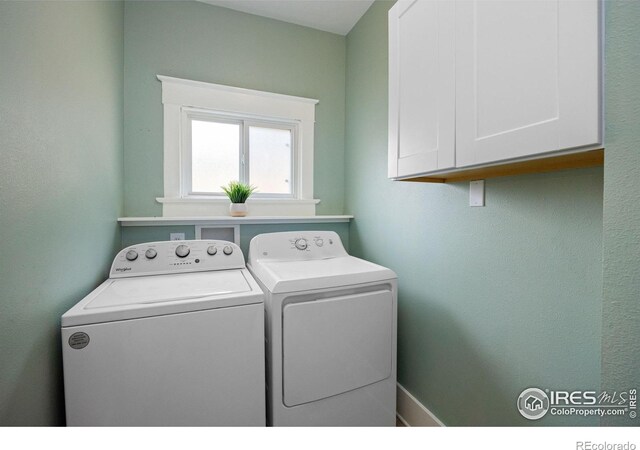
[
  {"x": 129, "y": 298},
  {"x": 294, "y": 276}
]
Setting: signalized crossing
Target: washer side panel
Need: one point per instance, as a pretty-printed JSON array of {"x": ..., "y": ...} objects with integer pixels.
[{"x": 194, "y": 369}]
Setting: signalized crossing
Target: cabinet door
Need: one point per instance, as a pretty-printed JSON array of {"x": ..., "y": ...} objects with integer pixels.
[
  {"x": 527, "y": 78},
  {"x": 421, "y": 87}
]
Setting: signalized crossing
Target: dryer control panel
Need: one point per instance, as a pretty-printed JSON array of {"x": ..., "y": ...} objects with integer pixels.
[
  {"x": 156, "y": 258},
  {"x": 296, "y": 246}
]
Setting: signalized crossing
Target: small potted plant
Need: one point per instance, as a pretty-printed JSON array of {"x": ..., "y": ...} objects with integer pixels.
[{"x": 238, "y": 193}]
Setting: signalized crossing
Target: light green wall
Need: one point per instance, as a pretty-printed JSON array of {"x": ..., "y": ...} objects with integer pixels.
[
  {"x": 491, "y": 300},
  {"x": 60, "y": 185},
  {"x": 621, "y": 308},
  {"x": 202, "y": 42},
  {"x": 138, "y": 235}
]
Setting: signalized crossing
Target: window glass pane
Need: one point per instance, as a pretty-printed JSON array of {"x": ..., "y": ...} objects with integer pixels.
[
  {"x": 215, "y": 155},
  {"x": 270, "y": 160}
]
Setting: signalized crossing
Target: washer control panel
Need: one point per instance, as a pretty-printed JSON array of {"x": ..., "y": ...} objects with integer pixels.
[
  {"x": 156, "y": 258},
  {"x": 294, "y": 245}
]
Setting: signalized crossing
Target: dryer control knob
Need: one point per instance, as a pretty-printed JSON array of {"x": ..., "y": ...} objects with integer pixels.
[
  {"x": 182, "y": 251},
  {"x": 150, "y": 253},
  {"x": 227, "y": 250},
  {"x": 132, "y": 255},
  {"x": 212, "y": 250},
  {"x": 301, "y": 244}
]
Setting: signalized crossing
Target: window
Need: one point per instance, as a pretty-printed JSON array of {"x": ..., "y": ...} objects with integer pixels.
[
  {"x": 219, "y": 148},
  {"x": 214, "y": 134}
]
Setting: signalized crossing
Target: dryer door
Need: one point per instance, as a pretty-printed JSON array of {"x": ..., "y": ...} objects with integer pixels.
[{"x": 335, "y": 345}]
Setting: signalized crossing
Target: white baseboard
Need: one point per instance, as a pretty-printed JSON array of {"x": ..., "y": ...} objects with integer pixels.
[{"x": 413, "y": 413}]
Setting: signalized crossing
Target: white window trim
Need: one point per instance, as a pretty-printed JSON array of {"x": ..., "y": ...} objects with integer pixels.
[{"x": 179, "y": 94}]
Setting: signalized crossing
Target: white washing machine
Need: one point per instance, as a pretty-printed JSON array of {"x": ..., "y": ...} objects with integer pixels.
[
  {"x": 330, "y": 329},
  {"x": 174, "y": 337}
]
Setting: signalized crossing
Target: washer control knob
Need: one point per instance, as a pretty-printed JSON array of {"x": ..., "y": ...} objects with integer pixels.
[
  {"x": 212, "y": 250},
  {"x": 319, "y": 242},
  {"x": 132, "y": 255},
  {"x": 227, "y": 250},
  {"x": 182, "y": 251},
  {"x": 301, "y": 244},
  {"x": 151, "y": 253}
]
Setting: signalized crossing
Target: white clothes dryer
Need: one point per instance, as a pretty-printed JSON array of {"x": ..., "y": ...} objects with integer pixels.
[
  {"x": 330, "y": 330},
  {"x": 174, "y": 337}
]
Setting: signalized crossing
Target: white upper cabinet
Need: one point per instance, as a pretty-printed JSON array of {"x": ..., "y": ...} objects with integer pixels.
[
  {"x": 421, "y": 87},
  {"x": 527, "y": 78},
  {"x": 525, "y": 81}
]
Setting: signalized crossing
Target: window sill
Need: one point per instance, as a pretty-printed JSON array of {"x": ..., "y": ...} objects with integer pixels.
[
  {"x": 219, "y": 206},
  {"x": 227, "y": 220}
]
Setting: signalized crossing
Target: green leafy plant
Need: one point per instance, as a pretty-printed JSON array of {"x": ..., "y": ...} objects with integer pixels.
[{"x": 238, "y": 192}]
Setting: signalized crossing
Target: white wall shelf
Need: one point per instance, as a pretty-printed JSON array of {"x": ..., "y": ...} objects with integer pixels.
[{"x": 227, "y": 220}]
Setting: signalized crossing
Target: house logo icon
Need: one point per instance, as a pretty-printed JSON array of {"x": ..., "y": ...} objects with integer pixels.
[{"x": 533, "y": 403}]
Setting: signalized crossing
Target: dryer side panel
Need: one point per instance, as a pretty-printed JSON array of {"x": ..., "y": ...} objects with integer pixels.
[{"x": 335, "y": 345}]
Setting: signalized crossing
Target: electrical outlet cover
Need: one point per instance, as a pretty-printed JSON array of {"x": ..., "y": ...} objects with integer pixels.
[{"x": 476, "y": 193}]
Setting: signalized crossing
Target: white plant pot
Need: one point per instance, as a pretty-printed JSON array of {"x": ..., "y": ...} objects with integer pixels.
[{"x": 238, "y": 209}]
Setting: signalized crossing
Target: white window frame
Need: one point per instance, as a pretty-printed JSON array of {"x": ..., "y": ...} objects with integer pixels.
[
  {"x": 189, "y": 114},
  {"x": 181, "y": 97}
]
